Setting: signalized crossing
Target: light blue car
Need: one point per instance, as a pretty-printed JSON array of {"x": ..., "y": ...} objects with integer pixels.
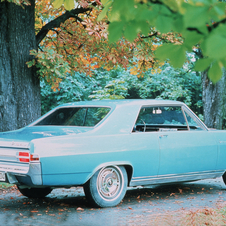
[{"x": 106, "y": 146}]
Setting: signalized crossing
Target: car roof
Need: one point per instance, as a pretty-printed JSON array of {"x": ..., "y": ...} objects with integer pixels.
[{"x": 114, "y": 103}]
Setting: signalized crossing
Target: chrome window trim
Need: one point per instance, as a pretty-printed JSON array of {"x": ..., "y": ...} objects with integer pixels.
[
  {"x": 193, "y": 115},
  {"x": 186, "y": 120}
]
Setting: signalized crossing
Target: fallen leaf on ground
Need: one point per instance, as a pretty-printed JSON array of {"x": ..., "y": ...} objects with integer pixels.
[
  {"x": 79, "y": 208},
  {"x": 186, "y": 188}
]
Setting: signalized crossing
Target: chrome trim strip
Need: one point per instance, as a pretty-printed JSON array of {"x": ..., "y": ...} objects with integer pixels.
[
  {"x": 172, "y": 175},
  {"x": 174, "y": 178},
  {"x": 14, "y": 168},
  {"x": 14, "y": 144}
]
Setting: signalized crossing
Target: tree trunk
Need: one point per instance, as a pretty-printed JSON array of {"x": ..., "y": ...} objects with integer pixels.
[
  {"x": 214, "y": 100},
  {"x": 20, "y": 101}
]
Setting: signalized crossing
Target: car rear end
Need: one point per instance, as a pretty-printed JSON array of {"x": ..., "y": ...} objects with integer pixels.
[{"x": 18, "y": 165}]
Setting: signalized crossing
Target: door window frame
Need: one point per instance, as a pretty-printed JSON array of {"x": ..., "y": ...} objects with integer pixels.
[{"x": 184, "y": 110}]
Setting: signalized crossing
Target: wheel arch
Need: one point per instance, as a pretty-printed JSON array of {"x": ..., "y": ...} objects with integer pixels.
[{"x": 128, "y": 167}]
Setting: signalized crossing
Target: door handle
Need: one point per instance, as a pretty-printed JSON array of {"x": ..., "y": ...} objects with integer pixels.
[{"x": 161, "y": 136}]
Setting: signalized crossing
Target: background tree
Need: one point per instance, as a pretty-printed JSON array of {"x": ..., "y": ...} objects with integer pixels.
[
  {"x": 19, "y": 86},
  {"x": 214, "y": 102},
  {"x": 82, "y": 46},
  {"x": 182, "y": 84},
  {"x": 200, "y": 23},
  {"x": 69, "y": 38},
  {"x": 20, "y": 101}
]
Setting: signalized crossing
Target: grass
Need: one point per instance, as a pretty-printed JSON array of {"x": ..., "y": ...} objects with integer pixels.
[{"x": 5, "y": 185}]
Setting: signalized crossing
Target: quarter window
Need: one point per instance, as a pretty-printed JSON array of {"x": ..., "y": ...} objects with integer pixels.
[{"x": 75, "y": 116}]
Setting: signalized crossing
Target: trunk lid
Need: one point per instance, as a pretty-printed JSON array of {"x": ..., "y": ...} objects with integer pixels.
[{"x": 29, "y": 133}]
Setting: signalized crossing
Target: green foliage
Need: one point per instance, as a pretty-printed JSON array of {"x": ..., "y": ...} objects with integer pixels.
[
  {"x": 200, "y": 22},
  {"x": 5, "y": 185},
  {"x": 19, "y": 2},
  {"x": 115, "y": 89},
  {"x": 175, "y": 84},
  {"x": 106, "y": 4},
  {"x": 72, "y": 88},
  {"x": 215, "y": 72},
  {"x": 58, "y": 3},
  {"x": 182, "y": 85},
  {"x": 115, "y": 31},
  {"x": 31, "y": 63},
  {"x": 165, "y": 52},
  {"x": 52, "y": 67},
  {"x": 68, "y": 4},
  {"x": 203, "y": 64}
]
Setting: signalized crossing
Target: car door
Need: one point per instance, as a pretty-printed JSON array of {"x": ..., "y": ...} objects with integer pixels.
[
  {"x": 184, "y": 152},
  {"x": 187, "y": 149},
  {"x": 187, "y": 153}
]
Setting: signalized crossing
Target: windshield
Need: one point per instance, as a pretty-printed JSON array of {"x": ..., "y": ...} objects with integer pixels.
[{"x": 75, "y": 116}]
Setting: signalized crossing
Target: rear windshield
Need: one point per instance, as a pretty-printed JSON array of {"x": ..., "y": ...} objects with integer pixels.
[{"x": 75, "y": 116}]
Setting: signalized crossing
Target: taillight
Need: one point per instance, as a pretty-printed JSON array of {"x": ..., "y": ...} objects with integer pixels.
[
  {"x": 34, "y": 158},
  {"x": 26, "y": 157}
]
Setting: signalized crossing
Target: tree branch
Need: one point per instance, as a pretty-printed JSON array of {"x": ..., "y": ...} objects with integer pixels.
[
  {"x": 57, "y": 22},
  {"x": 215, "y": 25},
  {"x": 195, "y": 29},
  {"x": 159, "y": 2},
  {"x": 149, "y": 36}
]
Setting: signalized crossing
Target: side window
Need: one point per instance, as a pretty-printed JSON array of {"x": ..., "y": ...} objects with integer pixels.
[
  {"x": 160, "y": 118},
  {"x": 78, "y": 118},
  {"x": 95, "y": 115},
  {"x": 88, "y": 116},
  {"x": 75, "y": 116},
  {"x": 192, "y": 122}
]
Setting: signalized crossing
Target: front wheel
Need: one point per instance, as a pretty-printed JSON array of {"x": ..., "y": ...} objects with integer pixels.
[
  {"x": 34, "y": 192},
  {"x": 107, "y": 187}
]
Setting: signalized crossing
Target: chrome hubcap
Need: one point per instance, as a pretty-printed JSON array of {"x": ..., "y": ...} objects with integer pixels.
[{"x": 109, "y": 183}]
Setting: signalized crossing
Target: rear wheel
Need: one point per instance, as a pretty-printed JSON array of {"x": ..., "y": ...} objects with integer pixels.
[
  {"x": 107, "y": 187},
  {"x": 224, "y": 177},
  {"x": 34, "y": 192}
]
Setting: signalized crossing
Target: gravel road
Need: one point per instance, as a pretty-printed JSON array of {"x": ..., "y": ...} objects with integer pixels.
[{"x": 141, "y": 206}]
